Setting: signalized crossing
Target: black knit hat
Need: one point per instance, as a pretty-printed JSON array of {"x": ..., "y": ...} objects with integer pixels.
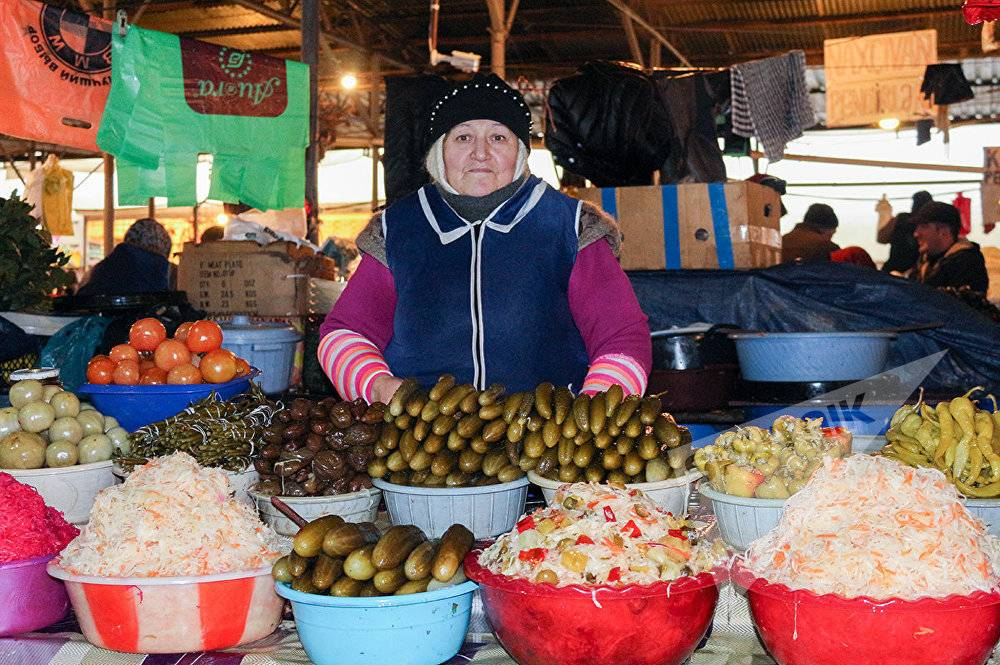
[
  {"x": 485, "y": 97},
  {"x": 820, "y": 216},
  {"x": 939, "y": 212}
]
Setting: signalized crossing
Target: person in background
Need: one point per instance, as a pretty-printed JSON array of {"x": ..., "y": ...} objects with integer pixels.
[
  {"x": 811, "y": 239},
  {"x": 855, "y": 255},
  {"x": 138, "y": 265},
  {"x": 213, "y": 233},
  {"x": 945, "y": 259},
  {"x": 487, "y": 273},
  {"x": 898, "y": 234}
]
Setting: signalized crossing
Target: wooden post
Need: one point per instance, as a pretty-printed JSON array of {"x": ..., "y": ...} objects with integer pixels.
[
  {"x": 375, "y": 160},
  {"x": 655, "y": 54},
  {"x": 500, "y": 25},
  {"x": 109, "y": 170},
  {"x": 151, "y": 208},
  {"x": 310, "y": 56}
]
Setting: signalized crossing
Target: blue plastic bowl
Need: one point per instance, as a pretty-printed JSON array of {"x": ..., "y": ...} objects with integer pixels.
[
  {"x": 135, "y": 406},
  {"x": 807, "y": 357},
  {"x": 416, "y": 629}
]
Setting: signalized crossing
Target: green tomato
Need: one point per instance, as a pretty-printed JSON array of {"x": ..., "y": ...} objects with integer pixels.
[
  {"x": 119, "y": 437},
  {"x": 95, "y": 448},
  {"x": 36, "y": 417},
  {"x": 86, "y": 406},
  {"x": 66, "y": 429},
  {"x": 22, "y": 450},
  {"x": 61, "y": 453},
  {"x": 92, "y": 422},
  {"x": 25, "y": 392},
  {"x": 110, "y": 422},
  {"x": 66, "y": 405},
  {"x": 48, "y": 392},
  {"x": 8, "y": 421}
]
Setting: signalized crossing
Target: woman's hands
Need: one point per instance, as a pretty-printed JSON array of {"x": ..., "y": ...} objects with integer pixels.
[{"x": 384, "y": 387}]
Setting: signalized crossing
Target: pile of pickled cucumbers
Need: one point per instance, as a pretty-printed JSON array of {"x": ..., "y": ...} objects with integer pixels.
[
  {"x": 337, "y": 558},
  {"x": 955, "y": 437},
  {"x": 457, "y": 436},
  {"x": 770, "y": 464}
]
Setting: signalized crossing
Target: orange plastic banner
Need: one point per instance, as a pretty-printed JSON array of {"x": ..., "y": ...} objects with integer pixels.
[{"x": 55, "y": 73}]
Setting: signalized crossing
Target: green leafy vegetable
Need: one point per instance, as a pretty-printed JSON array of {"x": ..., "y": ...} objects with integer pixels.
[{"x": 30, "y": 268}]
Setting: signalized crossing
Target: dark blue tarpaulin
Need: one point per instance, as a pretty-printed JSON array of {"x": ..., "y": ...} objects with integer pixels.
[{"x": 829, "y": 297}]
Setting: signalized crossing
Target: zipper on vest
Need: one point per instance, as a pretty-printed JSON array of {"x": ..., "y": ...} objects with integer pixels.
[{"x": 476, "y": 301}]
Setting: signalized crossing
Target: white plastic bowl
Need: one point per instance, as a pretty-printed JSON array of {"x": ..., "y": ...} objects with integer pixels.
[
  {"x": 988, "y": 510},
  {"x": 353, "y": 507},
  {"x": 173, "y": 614},
  {"x": 69, "y": 489},
  {"x": 239, "y": 481},
  {"x": 486, "y": 511},
  {"x": 862, "y": 443},
  {"x": 742, "y": 520},
  {"x": 671, "y": 494}
]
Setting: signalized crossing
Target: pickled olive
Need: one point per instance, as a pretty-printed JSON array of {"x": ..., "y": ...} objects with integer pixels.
[
  {"x": 389, "y": 438},
  {"x": 543, "y": 399},
  {"x": 546, "y": 576}
]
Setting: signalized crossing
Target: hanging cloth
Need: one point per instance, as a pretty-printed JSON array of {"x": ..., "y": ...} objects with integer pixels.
[
  {"x": 173, "y": 98},
  {"x": 946, "y": 84},
  {"x": 977, "y": 11},
  {"x": 57, "y": 198},
  {"x": 964, "y": 205}
]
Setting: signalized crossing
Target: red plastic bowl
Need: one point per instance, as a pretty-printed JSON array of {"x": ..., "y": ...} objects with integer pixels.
[
  {"x": 541, "y": 624},
  {"x": 803, "y": 628}
]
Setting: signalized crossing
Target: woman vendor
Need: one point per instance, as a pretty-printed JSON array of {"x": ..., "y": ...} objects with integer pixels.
[{"x": 487, "y": 273}]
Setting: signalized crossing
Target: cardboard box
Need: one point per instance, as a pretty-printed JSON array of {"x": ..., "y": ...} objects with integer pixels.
[
  {"x": 715, "y": 225},
  {"x": 241, "y": 277}
]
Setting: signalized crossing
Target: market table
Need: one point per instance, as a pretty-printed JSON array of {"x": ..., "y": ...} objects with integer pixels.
[{"x": 732, "y": 643}]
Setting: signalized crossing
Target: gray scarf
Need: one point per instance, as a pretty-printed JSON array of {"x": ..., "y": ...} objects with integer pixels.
[{"x": 475, "y": 208}]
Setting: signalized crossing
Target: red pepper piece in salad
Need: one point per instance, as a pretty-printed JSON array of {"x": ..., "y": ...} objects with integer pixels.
[
  {"x": 534, "y": 556},
  {"x": 609, "y": 515},
  {"x": 677, "y": 533},
  {"x": 615, "y": 575},
  {"x": 584, "y": 540},
  {"x": 525, "y": 524},
  {"x": 631, "y": 529}
]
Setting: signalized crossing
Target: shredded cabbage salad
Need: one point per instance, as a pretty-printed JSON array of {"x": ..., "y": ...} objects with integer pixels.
[
  {"x": 170, "y": 517},
  {"x": 870, "y": 526},
  {"x": 597, "y": 534}
]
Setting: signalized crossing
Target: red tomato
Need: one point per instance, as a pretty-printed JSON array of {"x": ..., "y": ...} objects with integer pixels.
[
  {"x": 153, "y": 376},
  {"x": 204, "y": 336},
  {"x": 124, "y": 352},
  {"x": 126, "y": 373},
  {"x": 99, "y": 370},
  {"x": 146, "y": 334},
  {"x": 171, "y": 353},
  {"x": 145, "y": 365},
  {"x": 181, "y": 333},
  {"x": 218, "y": 366},
  {"x": 96, "y": 358},
  {"x": 242, "y": 367},
  {"x": 184, "y": 374}
]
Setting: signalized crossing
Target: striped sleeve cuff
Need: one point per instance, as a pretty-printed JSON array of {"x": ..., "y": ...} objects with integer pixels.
[
  {"x": 352, "y": 362},
  {"x": 610, "y": 369}
]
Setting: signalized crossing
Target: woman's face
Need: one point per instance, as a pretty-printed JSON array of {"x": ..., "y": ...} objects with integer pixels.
[{"x": 479, "y": 157}]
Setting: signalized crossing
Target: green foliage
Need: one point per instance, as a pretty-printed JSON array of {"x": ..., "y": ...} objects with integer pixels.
[{"x": 30, "y": 269}]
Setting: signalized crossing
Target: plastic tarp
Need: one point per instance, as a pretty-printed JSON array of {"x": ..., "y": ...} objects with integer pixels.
[{"x": 831, "y": 297}]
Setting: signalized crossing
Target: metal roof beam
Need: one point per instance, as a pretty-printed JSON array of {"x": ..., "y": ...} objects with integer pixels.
[{"x": 846, "y": 19}]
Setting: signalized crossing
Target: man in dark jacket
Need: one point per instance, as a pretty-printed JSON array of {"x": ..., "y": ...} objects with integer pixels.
[
  {"x": 811, "y": 240},
  {"x": 898, "y": 234},
  {"x": 138, "y": 265},
  {"x": 946, "y": 260}
]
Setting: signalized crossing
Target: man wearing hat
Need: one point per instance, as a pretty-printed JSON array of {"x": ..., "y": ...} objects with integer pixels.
[
  {"x": 945, "y": 259},
  {"x": 486, "y": 273},
  {"x": 811, "y": 240}
]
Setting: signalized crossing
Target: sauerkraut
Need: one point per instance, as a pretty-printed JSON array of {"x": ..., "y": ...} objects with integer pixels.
[
  {"x": 601, "y": 535},
  {"x": 870, "y": 526},
  {"x": 170, "y": 517}
]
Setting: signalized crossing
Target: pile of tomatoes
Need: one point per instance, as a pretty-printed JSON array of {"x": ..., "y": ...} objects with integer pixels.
[{"x": 193, "y": 355}]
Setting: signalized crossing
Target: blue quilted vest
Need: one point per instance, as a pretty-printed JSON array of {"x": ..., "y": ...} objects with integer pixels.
[{"x": 485, "y": 300}]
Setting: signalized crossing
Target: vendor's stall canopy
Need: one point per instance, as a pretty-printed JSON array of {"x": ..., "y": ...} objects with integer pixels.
[{"x": 550, "y": 38}]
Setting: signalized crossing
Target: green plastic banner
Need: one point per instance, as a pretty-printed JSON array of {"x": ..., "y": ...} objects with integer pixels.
[{"x": 172, "y": 99}]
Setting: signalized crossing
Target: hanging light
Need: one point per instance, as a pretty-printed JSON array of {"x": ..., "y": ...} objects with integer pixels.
[
  {"x": 222, "y": 218},
  {"x": 348, "y": 81},
  {"x": 889, "y": 124}
]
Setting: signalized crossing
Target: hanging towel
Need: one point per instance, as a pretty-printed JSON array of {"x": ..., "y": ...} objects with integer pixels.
[
  {"x": 946, "y": 84},
  {"x": 964, "y": 205},
  {"x": 770, "y": 100}
]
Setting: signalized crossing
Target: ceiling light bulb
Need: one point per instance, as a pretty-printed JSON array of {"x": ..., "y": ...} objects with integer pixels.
[
  {"x": 222, "y": 218},
  {"x": 349, "y": 81}
]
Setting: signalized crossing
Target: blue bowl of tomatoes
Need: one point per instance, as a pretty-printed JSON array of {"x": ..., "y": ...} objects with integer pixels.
[{"x": 153, "y": 377}]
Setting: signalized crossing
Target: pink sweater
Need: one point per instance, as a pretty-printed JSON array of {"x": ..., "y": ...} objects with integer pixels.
[{"x": 601, "y": 300}]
